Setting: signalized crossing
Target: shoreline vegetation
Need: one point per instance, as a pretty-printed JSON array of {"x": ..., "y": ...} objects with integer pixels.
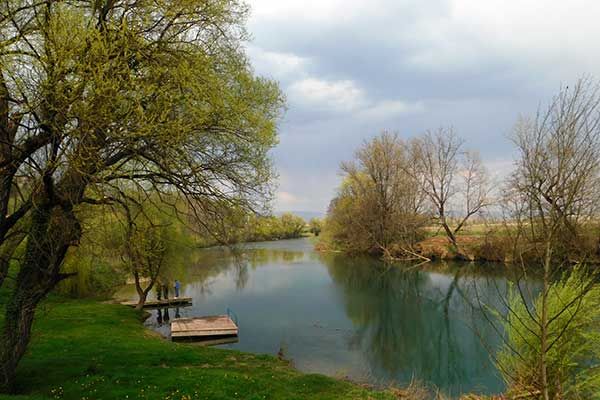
[
  {"x": 429, "y": 197},
  {"x": 479, "y": 242},
  {"x": 98, "y": 260}
]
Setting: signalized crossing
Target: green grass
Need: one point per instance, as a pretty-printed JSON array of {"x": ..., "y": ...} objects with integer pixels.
[{"x": 84, "y": 349}]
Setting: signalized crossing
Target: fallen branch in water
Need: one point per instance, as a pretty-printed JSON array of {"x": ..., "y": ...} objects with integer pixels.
[{"x": 415, "y": 256}]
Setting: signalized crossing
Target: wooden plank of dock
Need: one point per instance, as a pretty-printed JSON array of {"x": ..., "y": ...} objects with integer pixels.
[
  {"x": 174, "y": 302},
  {"x": 204, "y": 327},
  {"x": 212, "y": 342}
]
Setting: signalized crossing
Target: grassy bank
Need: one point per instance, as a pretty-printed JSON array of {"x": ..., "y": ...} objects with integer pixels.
[{"x": 91, "y": 350}]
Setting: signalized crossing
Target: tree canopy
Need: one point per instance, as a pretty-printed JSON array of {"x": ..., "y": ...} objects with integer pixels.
[{"x": 97, "y": 98}]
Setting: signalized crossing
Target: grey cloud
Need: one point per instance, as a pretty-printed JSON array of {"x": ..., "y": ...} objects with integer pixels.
[{"x": 418, "y": 59}]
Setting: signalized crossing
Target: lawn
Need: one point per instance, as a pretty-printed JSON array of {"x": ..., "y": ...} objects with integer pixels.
[{"x": 84, "y": 349}]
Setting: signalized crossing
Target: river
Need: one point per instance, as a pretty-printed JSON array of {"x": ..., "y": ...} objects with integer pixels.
[{"x": 355, "y": 318}]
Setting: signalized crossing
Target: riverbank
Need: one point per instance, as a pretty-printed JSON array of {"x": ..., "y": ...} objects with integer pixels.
[
  {"x": 88, "y": 349},
  {"x": 491, "y": 246},
  {"x": 470, "y": 248}
]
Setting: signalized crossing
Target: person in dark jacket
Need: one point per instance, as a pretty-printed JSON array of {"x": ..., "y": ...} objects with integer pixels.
[{"x": 158, "y": 290}]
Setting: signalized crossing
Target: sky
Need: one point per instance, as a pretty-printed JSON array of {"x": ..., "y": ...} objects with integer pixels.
[{"x": 351, "y": 69}]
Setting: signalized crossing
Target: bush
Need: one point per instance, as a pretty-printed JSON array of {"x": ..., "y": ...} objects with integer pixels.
[
  {"x": 573, "y": 356},
  {"x": 494, "y": 247}
]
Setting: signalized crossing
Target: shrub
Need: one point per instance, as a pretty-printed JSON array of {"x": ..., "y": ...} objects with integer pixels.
[{"x": 573, "y": 355}]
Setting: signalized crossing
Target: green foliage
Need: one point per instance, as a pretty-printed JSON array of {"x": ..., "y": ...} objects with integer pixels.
[
  {"x": 286, "y": 226},
  {"x": 147, "y": 95},
  {"x": 292, "y": 225},
  {"x": 379, "y": 203},
  {"x": 96, "y": 263},
  {"x": 94, "y": 277},
  {"x": 100, "y": 263},
  {"x": 341, "y": 230},
  {"x": 98, "y": 98},
  {"x": 573, "y": 359},
  {"x": 239, "y": 226},
  {"x": 315, "y": 226},
  {"x": 150, "y": 243}
]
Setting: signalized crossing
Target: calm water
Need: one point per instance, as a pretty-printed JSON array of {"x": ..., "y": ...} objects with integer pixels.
[{"x": 352, "y": 317}]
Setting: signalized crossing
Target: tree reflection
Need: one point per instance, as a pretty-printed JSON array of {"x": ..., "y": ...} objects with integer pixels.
[
  {"x": 238, "y": 261},
  {"x": 410, "y": 322}
]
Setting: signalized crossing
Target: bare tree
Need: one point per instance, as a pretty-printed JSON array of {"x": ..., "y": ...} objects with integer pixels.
[
  {"x": 475, "y": 189},
  {"x": 446, "y": 173},
  {"x": 554, "y": 197}
]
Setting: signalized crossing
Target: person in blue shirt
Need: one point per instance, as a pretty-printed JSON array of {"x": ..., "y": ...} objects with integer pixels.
[{"x": 177, "y": 286}]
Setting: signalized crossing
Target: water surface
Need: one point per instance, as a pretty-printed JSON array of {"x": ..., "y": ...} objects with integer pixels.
[{"x": 352, "y": 317}]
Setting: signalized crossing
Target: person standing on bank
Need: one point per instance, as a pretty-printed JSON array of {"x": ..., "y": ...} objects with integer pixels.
[
  {"x": 177, "y": 286},
  {"x": 158, "y": 290}
]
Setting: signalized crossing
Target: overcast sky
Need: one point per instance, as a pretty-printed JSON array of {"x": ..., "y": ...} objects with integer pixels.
[{"x": 353, "y": 68}]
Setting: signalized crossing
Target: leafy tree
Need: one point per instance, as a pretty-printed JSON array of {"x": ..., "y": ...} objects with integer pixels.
[
  {"x": 292, "y": 225},
  {"x": 99, "y": 97},
  {"x": 378, "y": 203},
  {"x": 572, "y": 351},
  {"x": 315, "y": 226},
  {"x": 149, "y": 247}
]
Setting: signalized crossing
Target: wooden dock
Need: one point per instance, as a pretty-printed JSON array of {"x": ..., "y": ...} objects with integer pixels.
[
  {"x": 212, "y": 342},
  {"x": 178, "y": 302},
  {"x": 204, "y": 328}
]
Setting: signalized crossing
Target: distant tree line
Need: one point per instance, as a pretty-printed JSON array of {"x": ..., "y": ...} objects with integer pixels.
[{"x": 285, "y": 226}]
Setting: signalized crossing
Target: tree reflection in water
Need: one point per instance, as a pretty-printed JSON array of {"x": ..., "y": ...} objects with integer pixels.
[
  {"x": 353, "y": 317},
  {"x": 426, "y": 324},
  {"x": 237, "y": 260}
]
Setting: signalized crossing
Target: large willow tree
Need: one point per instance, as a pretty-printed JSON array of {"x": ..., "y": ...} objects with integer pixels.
[{"x": 98, "y": 97}]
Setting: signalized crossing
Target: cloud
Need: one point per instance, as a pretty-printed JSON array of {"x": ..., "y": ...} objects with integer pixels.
[
  {"x": 286, "y": 200},
  {"x": 275, "y": 64},
  {"x": 345, "y": 96},
  {"x": 302, "y": 191},
  {"x": 321, "y": 94},
  {"x": 307, "y": 10},
  {"x": 389, "y": 108},
  {"x": 353, "y": 68}
]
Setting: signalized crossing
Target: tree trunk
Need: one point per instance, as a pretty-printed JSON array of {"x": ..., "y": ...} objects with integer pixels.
[
  {"x": 449, "y": 233},
  {"x": 18, "y": 321},
  {"x": 544, "y": 323},
  {"x": 141, "y": 301},
  {"x": 142, "y": 293},
  {"x": 6, "y": 252},
  {"x": 51, "y": 233}
]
